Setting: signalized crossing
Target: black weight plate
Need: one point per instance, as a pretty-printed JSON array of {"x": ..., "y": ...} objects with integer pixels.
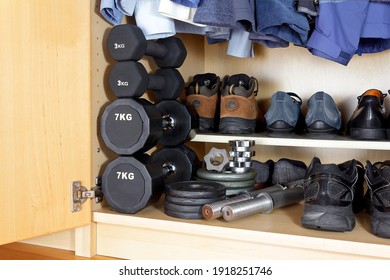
[
  {"x": 192, "y": 201},
  {"x": 225, "y": 176},
  {"x": 195, "y": 189},
  {"x": 183, "y": 215},
  {"x": 232, "y": 192},
  {"x": 234, "y": 184},
  {"x": 183, "y": 208}
]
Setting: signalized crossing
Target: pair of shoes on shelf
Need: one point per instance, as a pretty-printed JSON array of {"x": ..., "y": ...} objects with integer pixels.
[
  {"x": 228, "y": 106},
  {"x": 283, "y": 171},
  {"x": 368, "y": 121},
  {"x": 285, "y": 116},
  {"x": 334, "y": 192}
]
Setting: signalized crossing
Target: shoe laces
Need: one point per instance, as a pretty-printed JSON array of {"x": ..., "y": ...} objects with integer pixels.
[{"x": 242, "y": 83}]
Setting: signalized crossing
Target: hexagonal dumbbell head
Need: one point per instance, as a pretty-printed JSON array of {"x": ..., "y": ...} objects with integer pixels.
[
  {"x": 127, "y": 42},
  {"x": 130, "y": 79},
  {"x": 129, "y": 125},
  {"x": 129, "y": 184},
  {"x": 132, "y": 125}
]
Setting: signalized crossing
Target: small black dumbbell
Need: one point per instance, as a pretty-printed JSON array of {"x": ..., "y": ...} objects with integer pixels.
[
  {"x": 131, "y": 183},
  {"x": 130, "y": 79},
  {"x": 127, "y": 42},
  {"x": 132, "y": 125}
]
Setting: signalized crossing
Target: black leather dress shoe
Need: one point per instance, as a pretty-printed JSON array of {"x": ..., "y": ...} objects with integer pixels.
[{"x": 368, "y": 121}]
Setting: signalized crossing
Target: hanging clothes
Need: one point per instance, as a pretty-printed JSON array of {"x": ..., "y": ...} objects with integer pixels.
[
  {"x": 346, "y": 27},
  {"x": 126, "y": 7},
  {"x": 153, "y": 25},
  {"x": 188, "y": 3},
  {"x": 110, "y": 12},
  {"x": 279, "y": 18}
]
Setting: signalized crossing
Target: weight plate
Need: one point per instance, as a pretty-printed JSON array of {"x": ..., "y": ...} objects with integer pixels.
[
  {"x": 232, "y": 192},
  {"x": 195, "y": 189},
  {"x": 226, "y": 175},
  {"x": 235, "y": 184},
  {"x": 183, "y": 215},
  {"x": 183, "y": 208},
  {"x": 192, "y": 201}
]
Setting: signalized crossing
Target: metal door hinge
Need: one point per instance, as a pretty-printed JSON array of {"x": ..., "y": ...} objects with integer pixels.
[{"x": 80, "y": 194}]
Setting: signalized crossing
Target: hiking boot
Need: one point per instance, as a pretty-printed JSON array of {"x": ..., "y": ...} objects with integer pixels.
[
  {"x": 377, "y": 197},
  {"x": 323, "y": 116},
  {"x": 332, "y": 194},
  {"x": 284, "y": 115},
  {"x": 368, "y": 121},
  {"x": 202, "y": 94},
  {"x": 239, "y": 111}
]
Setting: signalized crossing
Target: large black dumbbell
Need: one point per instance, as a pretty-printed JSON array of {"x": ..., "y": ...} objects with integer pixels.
[
  {"x": 127, "y": 42},
  {"x": 130, "y": 79},
  {"x": 131, "y": 183},
  {"x": 130, "y": 125}
]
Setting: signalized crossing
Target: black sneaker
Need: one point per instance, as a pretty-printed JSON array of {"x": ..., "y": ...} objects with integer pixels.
[
  {"x": 377, "y": 197},
  {"x": 332, "y": 194}
]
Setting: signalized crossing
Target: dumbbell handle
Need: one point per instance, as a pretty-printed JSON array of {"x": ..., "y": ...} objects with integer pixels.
[
  {"x": 263, "y": 203},
  {"x": 156, "y": 82},
  {"x": 214, "y": 210},
  {"x": 155, "y": 49}
]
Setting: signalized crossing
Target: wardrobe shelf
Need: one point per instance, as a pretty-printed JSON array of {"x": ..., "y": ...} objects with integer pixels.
[
  {"x": 338, "y": 142},
  {"x": 275, "y": 235}
]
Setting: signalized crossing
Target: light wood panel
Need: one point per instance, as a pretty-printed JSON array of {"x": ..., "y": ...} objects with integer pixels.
[{"x": 44, "y": 115}]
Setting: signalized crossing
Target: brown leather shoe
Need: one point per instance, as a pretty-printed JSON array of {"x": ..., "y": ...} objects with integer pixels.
[
  {"x": 203, "y": 94},
  {"x": 239, "y": 110}
]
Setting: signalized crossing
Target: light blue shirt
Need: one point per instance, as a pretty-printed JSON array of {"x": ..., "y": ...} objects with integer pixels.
[{"x": 110, "y": 12}]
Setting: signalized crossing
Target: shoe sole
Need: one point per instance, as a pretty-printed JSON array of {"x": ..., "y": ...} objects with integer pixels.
[
  {"x": 332, "y": 218},
  {"x": 206, "y": 124},
  {"x": 368, "y": 133},
  {"x": 380, "y": 223},
  {"x": 232, "y": 125}
]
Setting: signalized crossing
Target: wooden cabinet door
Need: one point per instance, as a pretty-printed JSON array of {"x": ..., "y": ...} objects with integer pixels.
[{"x": 45, "y": 125}]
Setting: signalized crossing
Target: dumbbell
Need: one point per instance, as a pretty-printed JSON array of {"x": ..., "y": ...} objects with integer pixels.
[
  {"x": 130, "y": 125},
  {"x": 131, "y": 183},
  {"x": 130, "y": 79},
  {"x": 127, "y": 42}
]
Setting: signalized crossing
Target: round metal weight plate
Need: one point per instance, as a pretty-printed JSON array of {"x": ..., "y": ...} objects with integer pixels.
[
  {"x": 225, "y": 176},
  {"x": 183, "y": 208},
  {"x": 195, "y": 189},
  {"x": 192, "y": 201},
  {"x": 183, "y": 215},
  {"x": 237, "y": 184},
  {"x": 232, "y": 192}
]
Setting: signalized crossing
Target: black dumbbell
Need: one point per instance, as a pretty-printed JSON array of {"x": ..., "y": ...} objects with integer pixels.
[
  {"x": 130, "y": 125},
  {"x": 127, "y": 42},
  {"x": 130, "y": 79},
  {"x": 131, "y": 183}
]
